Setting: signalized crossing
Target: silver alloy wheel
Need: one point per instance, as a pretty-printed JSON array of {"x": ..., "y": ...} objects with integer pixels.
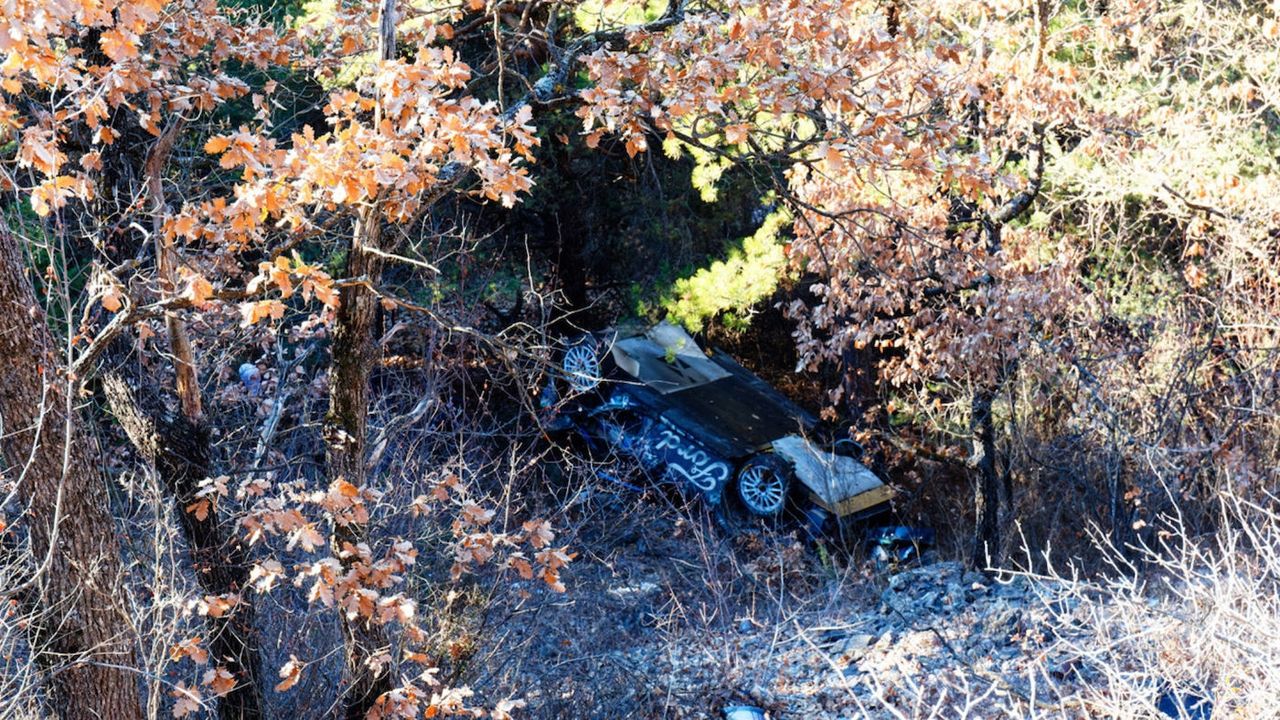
[
  {"x": 762, "y": 489},
  {"x": 581, "y": 365}
]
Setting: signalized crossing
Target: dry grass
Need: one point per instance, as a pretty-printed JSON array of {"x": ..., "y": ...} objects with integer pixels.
[{"x": 1184, "y": 617}]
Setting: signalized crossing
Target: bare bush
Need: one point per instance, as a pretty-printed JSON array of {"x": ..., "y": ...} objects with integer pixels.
[{"x": 1181, "y": 619}]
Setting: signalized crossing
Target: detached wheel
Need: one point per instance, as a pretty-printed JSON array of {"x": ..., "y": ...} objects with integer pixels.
[
  {"x": 581, "y": 364},
  {"x": 763, "y": 482}
]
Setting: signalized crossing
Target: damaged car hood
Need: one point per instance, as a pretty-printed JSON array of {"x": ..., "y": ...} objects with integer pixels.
[{"x": 838, "y": 483}]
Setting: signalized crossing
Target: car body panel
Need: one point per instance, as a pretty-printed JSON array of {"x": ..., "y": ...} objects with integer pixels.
[
  {"x": 721, "y": 403},
  {"x": 693, "y": 417},
  {"x": 666, "y": 366},
  {"x": 837, "y": 483},
  {"x": 661, "y": 446}
]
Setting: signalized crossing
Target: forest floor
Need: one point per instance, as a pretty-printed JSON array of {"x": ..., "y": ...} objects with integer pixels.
[{"x": 667, "y": 617}]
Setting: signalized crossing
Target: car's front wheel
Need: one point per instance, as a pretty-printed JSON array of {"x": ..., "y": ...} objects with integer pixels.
[{"x": 763, "y": 482}]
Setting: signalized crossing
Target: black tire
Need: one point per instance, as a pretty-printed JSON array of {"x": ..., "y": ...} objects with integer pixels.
[{"x": 762, "y": 485}]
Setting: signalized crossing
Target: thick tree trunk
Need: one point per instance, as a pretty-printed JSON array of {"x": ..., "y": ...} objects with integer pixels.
[
  {"x": 179, "y": 451},
  {"x": 81, "y": 634}
]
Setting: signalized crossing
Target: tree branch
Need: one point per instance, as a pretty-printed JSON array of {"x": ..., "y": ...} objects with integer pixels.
[
  {"x": 1019, "y": 203},
  {"x": 553, "y": 88}
]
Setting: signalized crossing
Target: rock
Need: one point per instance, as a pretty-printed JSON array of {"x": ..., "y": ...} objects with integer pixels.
[
  {"x": 855, "y": 645},
  {"x": 626, "y": 591},
  {"x": 1015, "y": 588},
  {"x": 924, "y": 642},
  {"x": 761, "y": 695},
  {"x": 1009, "y": 653},
  {"x": 831, "y": 636},
  {"x": 1002, "y": 621},
  {"x": 885, "y": 640}
]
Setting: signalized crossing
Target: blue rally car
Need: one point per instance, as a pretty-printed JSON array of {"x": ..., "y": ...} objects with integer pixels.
[{"x": 704, "y": 421}]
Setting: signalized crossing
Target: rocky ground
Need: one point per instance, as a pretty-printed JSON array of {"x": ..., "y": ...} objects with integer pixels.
[
  {"x": 668, "y": 618},
  {"x": 938, "y": 638}
]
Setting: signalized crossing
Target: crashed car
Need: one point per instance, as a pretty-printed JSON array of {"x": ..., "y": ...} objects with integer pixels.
[{"x": 705, "y": 422}]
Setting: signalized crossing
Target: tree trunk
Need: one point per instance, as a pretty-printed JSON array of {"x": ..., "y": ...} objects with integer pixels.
[
  {"x": 346, "y": 423},
  {"x": 82, "y": 633},
  {"x": 986, "y": 526},
  {"x": 991, "y": 490},
  {"x": 345, "y": 435},
  {"x": 184, "y": 364},
  {"x": 178, "y": 450},
  {"x": 893, "y": 17},
  {"x": 987, "y": 490}
]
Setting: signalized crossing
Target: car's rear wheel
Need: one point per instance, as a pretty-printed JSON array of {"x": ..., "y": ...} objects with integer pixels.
[
  {"x": 762, "y": 486},
  {"x": 581, "y": 364}
]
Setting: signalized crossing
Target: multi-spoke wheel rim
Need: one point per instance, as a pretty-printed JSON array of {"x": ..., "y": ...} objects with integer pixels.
[
  {"x": 762, "y": 489},
  {"x": 582, "y": 367}
]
